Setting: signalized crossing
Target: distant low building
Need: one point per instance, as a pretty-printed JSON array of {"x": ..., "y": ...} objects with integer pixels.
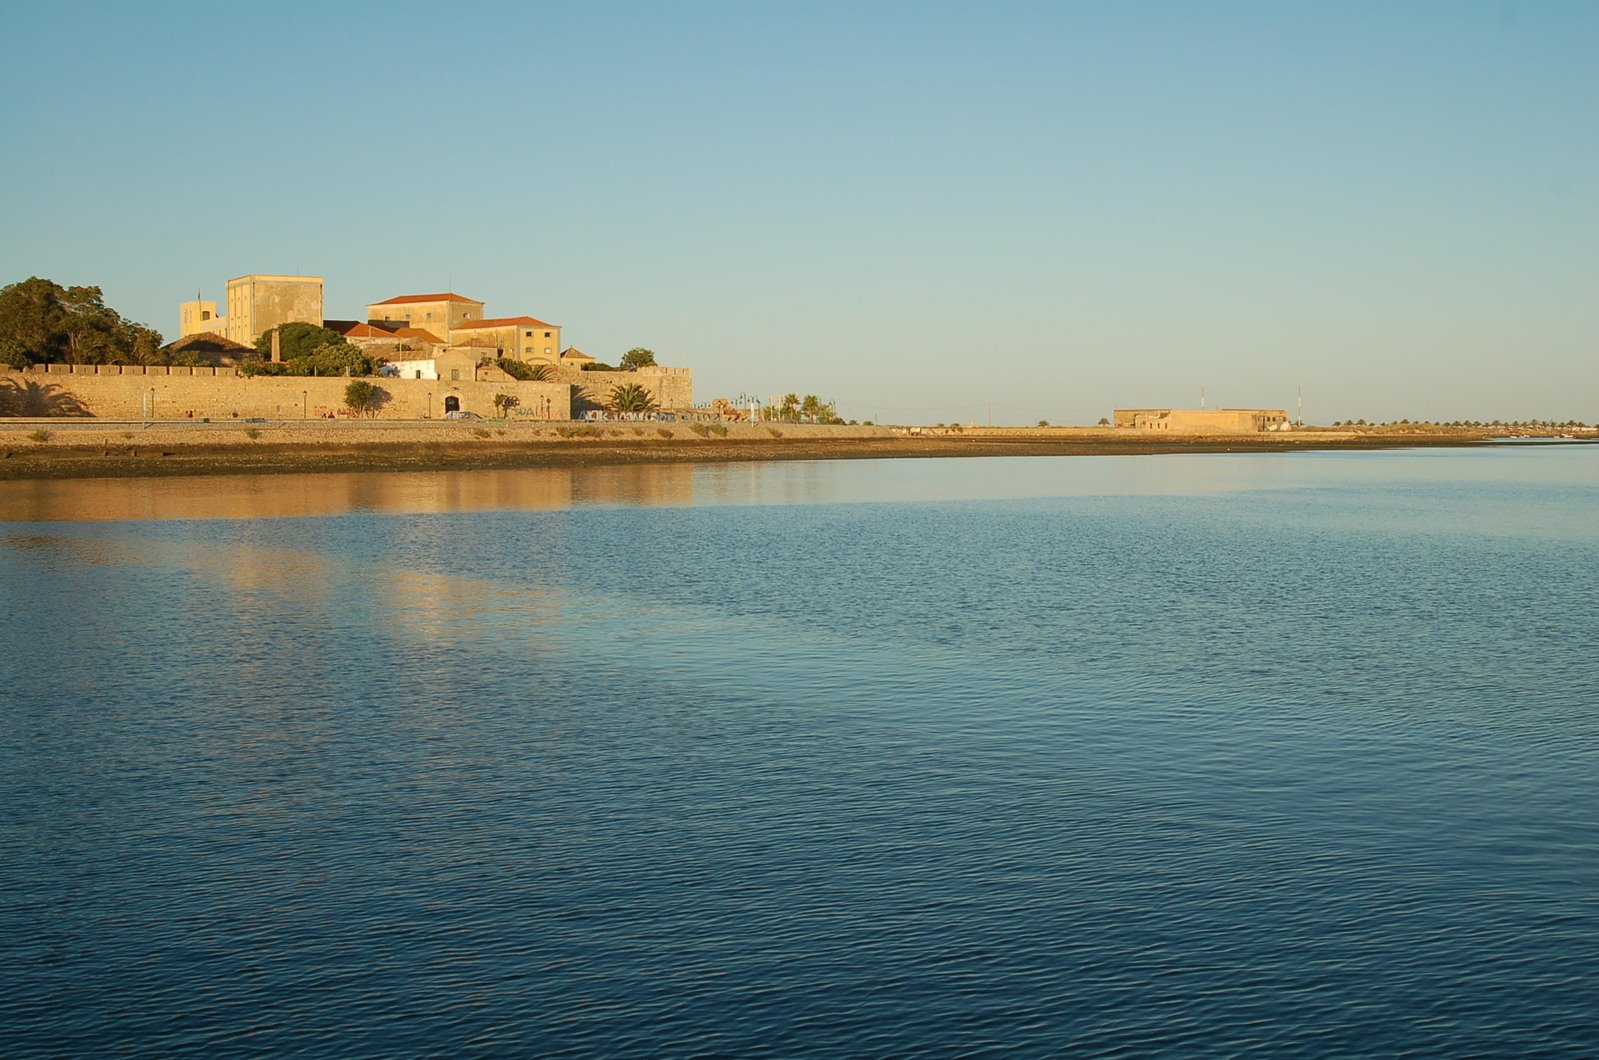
[{"x": 1200, "y": 421}]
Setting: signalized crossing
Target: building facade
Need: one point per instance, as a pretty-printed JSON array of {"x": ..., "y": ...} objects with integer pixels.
[
  {"x": 520, "y": 338},
  {"x": 255, "y": 304},
  {"x": 436, "y": 313},
  {"x": 1215, "y": 421}
]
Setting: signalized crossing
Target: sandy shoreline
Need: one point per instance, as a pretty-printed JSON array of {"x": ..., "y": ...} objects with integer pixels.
[{"x": 98, "y": 450}]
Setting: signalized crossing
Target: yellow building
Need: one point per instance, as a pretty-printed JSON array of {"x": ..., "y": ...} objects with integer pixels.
[
  {"x": 200, "y": 318},
  {"x": 1203, "y": 421},
  {"x": 255, "y": 304},
  {"x": 520, "y": 338},
  {"x": 437, "y": 313}
]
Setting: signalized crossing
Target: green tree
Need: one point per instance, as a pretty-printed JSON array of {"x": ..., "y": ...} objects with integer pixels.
[
  {"x": 638, "y": 357},
  {"x": 338, "y": 358},
  {"x": 298, "y": 339},
  {"x": 527, "y": 373},
  {"x": 364, "y": 397},
  {"x": 631, "y": 398},
  {"x": 41, "y": 321}
]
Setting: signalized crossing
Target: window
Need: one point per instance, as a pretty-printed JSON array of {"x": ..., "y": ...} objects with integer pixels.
[
  {"x": 527, "y": 335},
  {"x": 419, "y": 373},
  {"x": 546, "y": 351},
  {"x": 455, "y": 373},
  {"x": 546, "y": 335}
]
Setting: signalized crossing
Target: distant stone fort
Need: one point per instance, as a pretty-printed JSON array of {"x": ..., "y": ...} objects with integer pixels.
[{"x": 1203, "y": 421}]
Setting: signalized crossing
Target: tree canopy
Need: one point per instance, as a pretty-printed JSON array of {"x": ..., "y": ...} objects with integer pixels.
[
  {"x": 364, "y": 397},
  {"x": 43, "y": 322},
  {"x": 810, "y": 409},
  {"x": 638, "y": 357},
  {"x": 299, "y": 339},
  {"x": 328, "y": 359}
]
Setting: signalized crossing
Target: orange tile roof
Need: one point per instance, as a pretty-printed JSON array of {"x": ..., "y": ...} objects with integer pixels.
[
  {"x": 502, "y": 322},
  {"x": 420, "y": 335},
  {"x": 447, "y": 296},
  {"x": 572, "y": 353},
  {"x": 366, "y": 331}
]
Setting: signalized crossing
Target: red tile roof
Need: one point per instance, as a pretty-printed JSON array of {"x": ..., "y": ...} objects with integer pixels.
[
  {"x": 406, "y": 299},
  {"x": 503, "y": 322},
  {"x": 366, "y": 331},
  {"x": 572, "y": 353},
  {"x": 420, "y": 335}
]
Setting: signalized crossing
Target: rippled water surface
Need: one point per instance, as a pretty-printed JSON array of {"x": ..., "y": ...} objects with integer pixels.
[{"x": 1295, "y": 754}]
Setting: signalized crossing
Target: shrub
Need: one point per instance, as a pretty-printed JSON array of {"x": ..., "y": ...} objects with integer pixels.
[
  {"x": 521, "y": 370},
  {"x": 40, "y": 435},
  {"x": 251, "y": 433},
  {"x": 363, "y": 397}
]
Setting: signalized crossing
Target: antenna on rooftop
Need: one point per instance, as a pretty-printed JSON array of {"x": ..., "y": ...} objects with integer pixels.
[{"x": 1301, "y": 393}]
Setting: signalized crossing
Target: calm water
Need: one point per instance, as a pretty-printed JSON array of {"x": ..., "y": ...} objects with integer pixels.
[{"x": 1203, "y": 754}]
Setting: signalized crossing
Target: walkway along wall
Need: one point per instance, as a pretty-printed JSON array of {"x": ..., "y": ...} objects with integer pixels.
[{"x": 124, "y": 392}]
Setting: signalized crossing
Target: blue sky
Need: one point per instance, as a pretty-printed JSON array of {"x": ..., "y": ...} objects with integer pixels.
[{"x": 918, "y": 210}]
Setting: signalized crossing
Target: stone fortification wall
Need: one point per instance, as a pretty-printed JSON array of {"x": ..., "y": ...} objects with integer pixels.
[
  {"x": 123, "y": 392},
  {"x": 673, "y": 388}
]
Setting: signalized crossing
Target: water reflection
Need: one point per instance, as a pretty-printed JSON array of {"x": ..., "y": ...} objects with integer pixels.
[
  {"x": 783, "y": 482},
  {"x": 291, "y": 496}
]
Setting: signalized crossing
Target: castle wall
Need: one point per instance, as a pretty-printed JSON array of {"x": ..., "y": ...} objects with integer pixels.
[
  {"x": 672, "y": 388},
  {"x": 129, "y": 392}
]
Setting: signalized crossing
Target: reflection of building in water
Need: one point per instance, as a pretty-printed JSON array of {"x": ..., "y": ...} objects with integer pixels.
[
  {"x": 647, "y": 485},
  {"x": 391, "y": 492}
]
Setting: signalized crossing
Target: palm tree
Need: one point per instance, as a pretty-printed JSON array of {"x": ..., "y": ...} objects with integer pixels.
[{"x": 631, "y": 398}]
